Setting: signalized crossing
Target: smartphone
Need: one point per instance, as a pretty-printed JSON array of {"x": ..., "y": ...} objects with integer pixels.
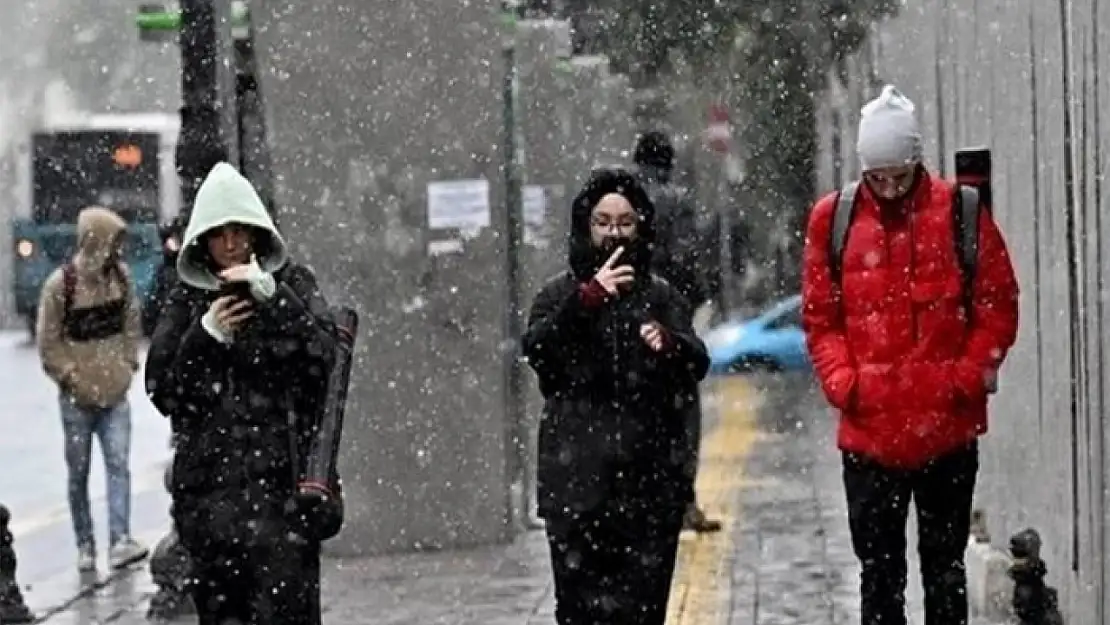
[
  {"x": 238, "y": 290},
  {"x": 973, "y": 168}
]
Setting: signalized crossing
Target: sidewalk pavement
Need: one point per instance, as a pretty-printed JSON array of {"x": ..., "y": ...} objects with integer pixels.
[{"x": 769, "y": 471}]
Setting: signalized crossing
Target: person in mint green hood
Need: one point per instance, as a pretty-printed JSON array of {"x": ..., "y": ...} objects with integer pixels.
[{"x": 239, "y": 362}]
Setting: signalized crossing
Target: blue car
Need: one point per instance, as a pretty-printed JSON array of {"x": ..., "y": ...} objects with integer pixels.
[{"x": 773, "y": 341}]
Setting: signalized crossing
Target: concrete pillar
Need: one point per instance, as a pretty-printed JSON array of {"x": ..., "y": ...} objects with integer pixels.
[{"x": 368, "y": 101}]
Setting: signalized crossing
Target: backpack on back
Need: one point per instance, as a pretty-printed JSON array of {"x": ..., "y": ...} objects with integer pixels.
[
  {"x": 965, "y": 227},
  {"x": 69, "y": 286}
]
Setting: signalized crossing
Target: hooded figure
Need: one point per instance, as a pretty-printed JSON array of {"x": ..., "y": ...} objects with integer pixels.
[
  {"x": 679, "y": 258},
  {"x": 88, "y": 339},
  {"x": 239, "y": 362},
  {"x": 91, "y": 349},
  {"x": 170, "y": 234},
  {"x": 615, "y": 358}
]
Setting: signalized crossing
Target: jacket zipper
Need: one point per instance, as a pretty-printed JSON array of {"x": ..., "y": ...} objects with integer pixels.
[
  {"x": 910, "y": 274},
  {"x": 615, "y": 367}
]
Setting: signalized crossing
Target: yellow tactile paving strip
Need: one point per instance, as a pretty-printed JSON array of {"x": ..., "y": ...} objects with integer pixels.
[{"x": 701, "y": 590}]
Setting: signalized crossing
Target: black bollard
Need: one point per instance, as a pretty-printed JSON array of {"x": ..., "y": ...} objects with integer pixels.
[
  {"x": 171, "y": 572},
  {"x": 12, "y": 607},
  {"x": 1035, "y": 603}
]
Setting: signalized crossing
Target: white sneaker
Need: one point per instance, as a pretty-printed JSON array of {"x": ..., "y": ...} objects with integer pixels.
[
  {"x": 86, "y": 559},
  {"x": 126, "y": 552}
]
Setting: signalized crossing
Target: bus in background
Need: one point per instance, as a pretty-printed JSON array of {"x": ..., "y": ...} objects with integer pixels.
[{"x": 124, "y": 162}]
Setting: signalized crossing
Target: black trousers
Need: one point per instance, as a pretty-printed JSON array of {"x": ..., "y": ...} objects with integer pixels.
[
  {"x": 878, "y": 505},
  {"x": 273, "y": 584},
  {"x": 693, "y": 442},
  {"x": 614, "y": 566}
]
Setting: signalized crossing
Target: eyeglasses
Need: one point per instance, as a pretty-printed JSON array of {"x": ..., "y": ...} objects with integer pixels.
[{"x": 607, "y": 225}]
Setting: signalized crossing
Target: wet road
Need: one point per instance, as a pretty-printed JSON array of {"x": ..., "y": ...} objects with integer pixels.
[{"x": 33, "y": 483}]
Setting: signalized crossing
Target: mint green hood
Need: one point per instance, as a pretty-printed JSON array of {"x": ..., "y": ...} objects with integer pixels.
[{"x": 226, "y": 197}]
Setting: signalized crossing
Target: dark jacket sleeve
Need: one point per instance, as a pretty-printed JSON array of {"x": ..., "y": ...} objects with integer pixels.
[
  {"x": 556, "y": 323},
  {"x": 687, "y": 353},
  {"x": 184, "y": 363},
  {"x": 298, "y": 310}
]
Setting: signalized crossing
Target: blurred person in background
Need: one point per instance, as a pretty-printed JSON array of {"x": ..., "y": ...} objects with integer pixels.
[
  {"x": 88, "y": 336},
  {"x": 239, "y": 362},
  {"x": 170, "y": 233},
  {"x": 677, "y": 260},
  {"x": 908, "y": 352},
  {"x": 618, "y": 365}
]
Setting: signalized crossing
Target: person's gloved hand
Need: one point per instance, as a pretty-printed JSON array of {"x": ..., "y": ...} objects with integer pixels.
[
  {"x": 262, "y": 285},
  {"x": 224, "y": 316}
]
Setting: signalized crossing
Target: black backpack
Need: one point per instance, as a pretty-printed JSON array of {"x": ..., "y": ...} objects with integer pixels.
[
  {"x": 69, "y": 285},
  {"x": 965, "y": 224}
]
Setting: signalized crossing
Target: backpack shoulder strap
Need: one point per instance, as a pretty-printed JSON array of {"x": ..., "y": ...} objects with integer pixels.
[
  {"x": 965, "y": 221},
  {"x": 126, "y": 286},
  {"x": 69, "y": 286},
  {"x": 842, "y": 221}
]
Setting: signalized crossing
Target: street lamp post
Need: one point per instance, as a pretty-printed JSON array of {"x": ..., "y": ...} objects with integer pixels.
[
  {"x": 221, "y": 115},
  {"x": 512, "y": 228},
  {"x": 12, "y": 607}
]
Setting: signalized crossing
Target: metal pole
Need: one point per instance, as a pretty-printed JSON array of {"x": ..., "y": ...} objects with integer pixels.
[
  {"x": 513, "y": 229},
  {"x": 724, "y": 240},
  {"x": 255, "y": 161},
  {"x": 12, "y": 607},
  {"x": 733, "y": 170},
  {"x": 226, "y": 61},
  {"x": 208, "y": 117}
]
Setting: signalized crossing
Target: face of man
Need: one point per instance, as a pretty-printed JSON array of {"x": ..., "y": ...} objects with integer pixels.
[{"x": 891, "y": 183}]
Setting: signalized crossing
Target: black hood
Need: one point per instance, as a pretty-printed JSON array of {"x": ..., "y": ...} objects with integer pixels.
[
  {"x": 654, "y": 149},
  {"x": 583, "y": 257}
]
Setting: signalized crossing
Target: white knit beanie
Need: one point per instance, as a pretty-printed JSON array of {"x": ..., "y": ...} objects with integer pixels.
[{"x": 889, "y": 135}]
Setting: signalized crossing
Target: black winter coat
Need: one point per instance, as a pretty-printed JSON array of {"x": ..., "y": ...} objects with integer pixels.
[
  {"x": 678, "y": 254},
  {"x": 164, "y": 280},
  {"x": 242, "y": 414},
  {"x": 614, "y": 412}
]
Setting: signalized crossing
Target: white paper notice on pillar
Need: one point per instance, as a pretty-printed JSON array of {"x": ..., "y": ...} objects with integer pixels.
[
  {"x": 461, "y": 205},
  {"x": 535, "y": 214}
]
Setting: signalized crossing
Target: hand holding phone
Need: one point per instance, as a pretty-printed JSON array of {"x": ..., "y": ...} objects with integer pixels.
[
  {"x": 239, "y": 291},
  {"x": 613, "y": 278}
]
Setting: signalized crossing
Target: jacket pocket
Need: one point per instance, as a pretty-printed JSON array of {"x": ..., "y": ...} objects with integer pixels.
[{"x": 874, "y": 386}]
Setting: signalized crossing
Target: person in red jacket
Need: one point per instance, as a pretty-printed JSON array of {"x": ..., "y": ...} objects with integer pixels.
[{"x": 908, "y": 359}]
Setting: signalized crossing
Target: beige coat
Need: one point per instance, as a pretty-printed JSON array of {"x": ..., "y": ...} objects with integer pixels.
[{"x": 96, "y": 373}]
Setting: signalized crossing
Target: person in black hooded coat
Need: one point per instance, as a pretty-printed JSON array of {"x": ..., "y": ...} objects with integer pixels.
[
  {"x": 678, "y": 258},
  {"x": 166, "y": 276},
  {"x": 616, "y": 360},
  {"x": 242, "y": 375}
]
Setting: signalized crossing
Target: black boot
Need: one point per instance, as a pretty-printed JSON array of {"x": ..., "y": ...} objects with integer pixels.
[{"x": 696, "y": 520}]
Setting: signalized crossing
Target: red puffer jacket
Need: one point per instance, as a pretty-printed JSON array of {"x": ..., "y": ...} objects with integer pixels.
[{"x": 891, "y": 343}]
